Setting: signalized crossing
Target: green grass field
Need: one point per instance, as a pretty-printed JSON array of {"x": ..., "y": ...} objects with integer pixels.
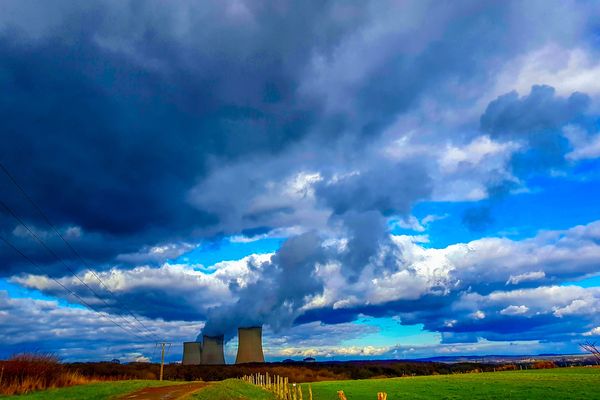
[
  {"x": 92, "y": 391},
  {"x": 564, "y": 383},
  {"x": 232, "y": 389}
]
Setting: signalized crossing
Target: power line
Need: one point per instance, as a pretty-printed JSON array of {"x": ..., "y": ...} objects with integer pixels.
[
  {"x": 49, "y": 250},
  {"x": 81, "y": 299},
  {"x": 73, "y": 250},
  {"x": 162, "y": 357}
]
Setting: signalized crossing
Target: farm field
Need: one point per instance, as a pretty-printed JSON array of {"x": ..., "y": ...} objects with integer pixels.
[
  {"x": 563, "y": 383},
  {"x": 92, "y": 391}
]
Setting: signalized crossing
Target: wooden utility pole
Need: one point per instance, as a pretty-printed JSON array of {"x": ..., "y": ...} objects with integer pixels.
[{"x": 162, "y": 357}]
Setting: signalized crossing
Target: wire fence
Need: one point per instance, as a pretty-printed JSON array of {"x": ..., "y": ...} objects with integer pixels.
[
  {"x": 280, "y": 386},
  {"x": 284, "y": 390}
]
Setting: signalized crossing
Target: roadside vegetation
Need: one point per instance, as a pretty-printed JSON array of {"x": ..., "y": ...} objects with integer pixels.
[
  {"x": 231, "y": 389},
  {"x": 543, "y": 384},
  {"x": 41, "y": 376},
  {"x": 25, "y": 373},
  {"x": 296, "y": 371},
  {"x": 92, "y": 391}
]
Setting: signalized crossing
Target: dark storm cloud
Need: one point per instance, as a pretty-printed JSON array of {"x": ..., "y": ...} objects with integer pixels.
[
  {"x": 536, "y": 118},
  {"x": 539, "y": 111},
  {"x": 279, "y": 291},
  {"x": 359, "y": 202},
  {"x": 528, "y": 314},
  {"x": 387, "y": 188},
  {"x": 76, "y": 334},
  {"x": 109, "y": 115},
  {"x": 144, "y": 127},
  {"x": 479, "y": 289},
  {"x": 114, "y": 111},
  {"x": 409, "y": 310}
]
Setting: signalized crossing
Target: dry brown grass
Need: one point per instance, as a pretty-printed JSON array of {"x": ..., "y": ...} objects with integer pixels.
[
  {"x": 544, "y": 365},
  {"x": 25, "y": 373}
]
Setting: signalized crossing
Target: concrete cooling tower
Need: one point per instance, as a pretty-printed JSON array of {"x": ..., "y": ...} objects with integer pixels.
[
  {"x": 212, "y": 350},
  {"x": 192, "y": 353},
  {"x": 250, "y": 346}
]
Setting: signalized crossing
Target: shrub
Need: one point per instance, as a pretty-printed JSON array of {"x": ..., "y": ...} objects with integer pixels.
[
  {"x": 24, "y": 373},
  {"x": 544, "y": 365}
]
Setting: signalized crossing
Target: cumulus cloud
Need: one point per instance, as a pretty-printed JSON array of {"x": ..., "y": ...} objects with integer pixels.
[
  {"x": 152, "y": 127},
  {"x": 528, "y": 276},
  {"x": 593, "y": 332},
  {"x": 285, "y": 282},
  {"x": 537, "y": 112},
  {"x": 584, "y": 145},
  {"x": 514, "y": 310},
  {"x": 464, "y": 289},
  {"x": 171, "y": 128},
  {"x": 567, "y": 68},
  {"x": 75, "y": 333},
  {"x": 150, "y": 104},
  {"x": 177, "y": 291},
  {"x": 538, "y": 119}
]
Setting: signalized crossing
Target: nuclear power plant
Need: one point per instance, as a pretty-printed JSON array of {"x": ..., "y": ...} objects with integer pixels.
[
  {"x": 250, "y": 346},
  {"x": 210, "y": 351},
  {"x": 192, "y": 353}
]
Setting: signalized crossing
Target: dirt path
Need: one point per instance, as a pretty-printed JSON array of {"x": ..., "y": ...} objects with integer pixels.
[{"x": 174, "y": 392}]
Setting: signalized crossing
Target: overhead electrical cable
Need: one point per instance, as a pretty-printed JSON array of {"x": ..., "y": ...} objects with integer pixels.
[
  {"x": 14, "y": 181},
  {"x": 58, "y": 258},
  {"x": 81, "y": 299}
]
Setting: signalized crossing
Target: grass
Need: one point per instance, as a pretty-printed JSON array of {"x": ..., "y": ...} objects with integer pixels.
[
  {"x": 24, "y": 373},
  {"x": 92, "y": 391},
  {"x": 231, "y": 389},
  {"x": 563, "y": 383}
]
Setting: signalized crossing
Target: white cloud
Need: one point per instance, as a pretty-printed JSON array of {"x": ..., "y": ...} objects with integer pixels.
[
  {"x": 477, "y": 315},
  {"x": 578, "y": 306},
  {"x": 593, "y": 332},
  {"x": 526, "y": 277},
  {"x": 411, "y": 222},
  {"x": 157, "y": 254},
  {"x": 567, "y": 69},
  {"x": 75, "y": 333},
  {"x": 515, "y": 310},
  {"x": 585, "y": 145},
  {"x": 471, "y": 276}
]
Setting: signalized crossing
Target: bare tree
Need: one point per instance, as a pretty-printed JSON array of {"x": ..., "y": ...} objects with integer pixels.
[{"x": 590, "y": 347}]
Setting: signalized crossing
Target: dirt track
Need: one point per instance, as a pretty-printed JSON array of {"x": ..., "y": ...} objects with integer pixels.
[{"x": 173, "y": 392}]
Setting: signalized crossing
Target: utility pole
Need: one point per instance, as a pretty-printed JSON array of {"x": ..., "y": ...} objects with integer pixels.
[{"x": 162, "y": 357}]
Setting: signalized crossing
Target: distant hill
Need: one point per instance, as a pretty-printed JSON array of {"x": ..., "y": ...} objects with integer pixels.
[{"x": 503, "y": 358}]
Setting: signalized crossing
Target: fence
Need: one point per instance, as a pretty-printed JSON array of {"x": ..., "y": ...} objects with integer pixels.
[
  {"x": 284, "y": 390},
  {"x": 380, "y": 395},
  {"x": 279, "y": 386}
]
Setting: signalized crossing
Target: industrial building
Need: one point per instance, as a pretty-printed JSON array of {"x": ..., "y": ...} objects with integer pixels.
[
  {"x": 250, "y": 345},
  {"x": 210, "y": 350},
  {"x": 192, "y": 353}
]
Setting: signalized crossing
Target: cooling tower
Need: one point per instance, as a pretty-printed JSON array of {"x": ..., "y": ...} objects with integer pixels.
[
  {"x": 250, "y": 345},
  {"x": 192, "y": 353},
  {"x": 212, "y": 350}
]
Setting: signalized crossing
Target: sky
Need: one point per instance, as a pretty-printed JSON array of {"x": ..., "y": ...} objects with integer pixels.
[{"x": 364, "y": 179}]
